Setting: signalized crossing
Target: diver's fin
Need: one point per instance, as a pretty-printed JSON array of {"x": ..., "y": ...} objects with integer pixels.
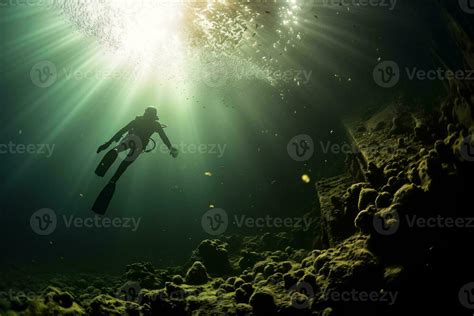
[
  {"x": 106, "y": 162},
  {"x": 103, "y": 200}
]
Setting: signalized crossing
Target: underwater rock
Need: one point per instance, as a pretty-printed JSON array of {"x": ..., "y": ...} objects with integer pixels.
[
  {"x": 159, "y": 302},
  {"x": 364, "y": 220},
  {"x": 407, "y": 194},
  {"x": 380, "y": 126},
  {"x": 350, "y": 265},
  {"x": 249, "y": 258},
  {"x": 335, "y": 224},
  {"x": 375, "y": 175},
  {"x": 384, "y": 199},
  {"x": 104, "y": 305},
  {"x": 144, "y": 274},
  {"x": 19, "y": 303},
  {"x": 243, "y": 309},
  {"x": 337, "y": 202},
  {"x": 241, "y": 296},
  {"x": 289, "y": 279},
  {"x": 213, "y": 254},
  {"x": 442, "y": 149},
  {"x": 353, "y": 192},
  {"x": 429, "y": 171},
  {"x": 361, "y": 129},
  {"x": 263, "y": 302},
  {"x": 197, "y": 274},
  {"x": 217, "y": 282},
  {"x": 128, "y": 291},
  {"x": 178, "y": 279},
  {"x": 4, "y": 305},
  {"x": 422, "y": 132},
  {"x": 173, "y": 290},
  {"x": 367, "y": 196},
  {"x": 401, "y": 124},
  {"x": 52, "y": 301},
  {"x": 401, "y": 142}
]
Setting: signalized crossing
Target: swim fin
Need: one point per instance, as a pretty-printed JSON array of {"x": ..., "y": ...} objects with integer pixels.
[
  {"x": 106, "y": 162},
  {"x": 103, "y": 200}
]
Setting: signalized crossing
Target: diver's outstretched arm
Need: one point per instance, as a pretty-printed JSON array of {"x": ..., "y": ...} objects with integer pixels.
[
  {"x": 116, "y": 137},
  {"x": 165, "y": 139}
]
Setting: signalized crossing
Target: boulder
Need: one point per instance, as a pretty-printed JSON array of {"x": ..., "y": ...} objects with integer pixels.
[{"x": 197, "y": 274}]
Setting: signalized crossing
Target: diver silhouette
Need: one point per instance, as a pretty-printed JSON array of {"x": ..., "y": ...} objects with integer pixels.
[{"x": 139, "y": 132}]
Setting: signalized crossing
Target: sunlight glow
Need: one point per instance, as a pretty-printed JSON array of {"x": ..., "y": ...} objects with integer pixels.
[{"x": 143, "y": 28}]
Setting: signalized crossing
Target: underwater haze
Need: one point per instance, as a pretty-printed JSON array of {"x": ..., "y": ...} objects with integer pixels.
[{"x": 243, "y": 90}]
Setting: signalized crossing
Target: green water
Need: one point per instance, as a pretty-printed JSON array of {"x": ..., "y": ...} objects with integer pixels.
[{"x": 298, "y": 74}]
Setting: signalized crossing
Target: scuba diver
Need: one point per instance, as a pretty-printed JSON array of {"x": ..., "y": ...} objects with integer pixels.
[{"x": 139, "y": 132}]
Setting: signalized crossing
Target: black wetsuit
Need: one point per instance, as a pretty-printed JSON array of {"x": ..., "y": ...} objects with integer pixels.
[{"x": 136, "y": 141}]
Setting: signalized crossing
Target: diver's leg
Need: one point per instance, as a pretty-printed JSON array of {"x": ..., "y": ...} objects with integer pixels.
[
  {"x": 110, "y": 158},
  {"x": 106, "y": 162},
  {"x": 132, "y": 155},
  {"x": 121, "y": 169}
]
